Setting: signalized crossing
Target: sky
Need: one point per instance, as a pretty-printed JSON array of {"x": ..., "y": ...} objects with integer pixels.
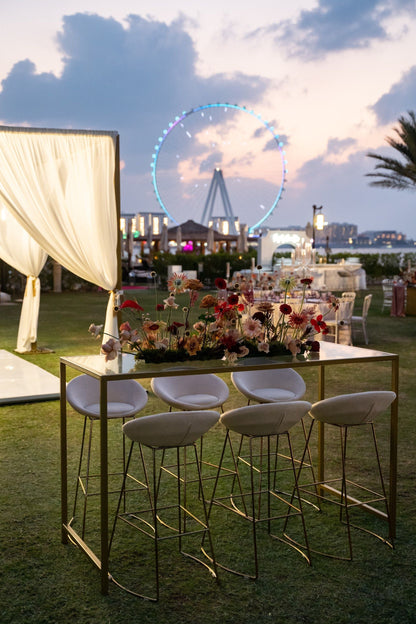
[{"x": 329, "y": 77}]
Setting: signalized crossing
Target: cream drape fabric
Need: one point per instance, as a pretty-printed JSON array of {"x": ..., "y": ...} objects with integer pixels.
[
  {"x": 20, "y": 251},
  {"x": 60, "y": 187}
]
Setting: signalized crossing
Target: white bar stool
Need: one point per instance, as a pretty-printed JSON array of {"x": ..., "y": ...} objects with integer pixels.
[
  {"x": 251, "y": 494},
  {"x": 125, "y": 398},
  {"x": 157, "y": 516},
  {"x": 350, "y": 411}
]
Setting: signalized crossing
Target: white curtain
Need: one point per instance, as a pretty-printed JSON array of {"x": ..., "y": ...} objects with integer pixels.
[
  {"x": 19, "y": 250},
  {"x": 59, "y": 185}
]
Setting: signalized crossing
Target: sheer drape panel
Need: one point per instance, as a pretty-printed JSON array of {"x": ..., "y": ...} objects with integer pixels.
[
  {"x": 19, "y": 250},
  {"x": 60, "y": 187}
]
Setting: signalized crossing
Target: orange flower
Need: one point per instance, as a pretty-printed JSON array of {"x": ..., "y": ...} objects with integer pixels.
[
  {"x": 193, "y": 284},
  {"x": 192, "y": 345},
  {"x": 209, "y": 301}
]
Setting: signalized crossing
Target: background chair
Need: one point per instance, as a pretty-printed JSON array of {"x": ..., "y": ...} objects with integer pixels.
[
  {"x": 340, "y": 325},
  {"x": 160, "y": 516},
  {"x": 348, "y": 294},
  {"x": 387, "y": 288},
  {"x": 246, "y": 489},
  {"x": 363, "y": 318},
  {"x": 350, "y": 411},
  {"x": 124, "y": 399}
]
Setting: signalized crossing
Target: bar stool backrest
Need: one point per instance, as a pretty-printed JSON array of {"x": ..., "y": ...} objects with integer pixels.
[
  {"x": 170, "y": 429},
  {"x": 125, "y": 397},
  {"x": 265, "y": 419}
]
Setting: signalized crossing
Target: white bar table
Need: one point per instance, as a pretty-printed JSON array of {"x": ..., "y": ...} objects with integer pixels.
[{"x": 127, "y": 367}]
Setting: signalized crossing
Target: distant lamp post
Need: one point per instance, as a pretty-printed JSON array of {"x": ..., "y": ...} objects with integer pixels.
[{"x": 318, "y": 222}]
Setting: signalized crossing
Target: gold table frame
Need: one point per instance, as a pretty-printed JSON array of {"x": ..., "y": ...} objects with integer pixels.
[{"x": 126, "y": 367}]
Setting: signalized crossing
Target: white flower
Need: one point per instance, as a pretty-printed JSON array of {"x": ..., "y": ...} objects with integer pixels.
[
  {"x": 264, "y": 347},
  {"x": 170, "y": 302},
  {"x": 95, "y": 330}
]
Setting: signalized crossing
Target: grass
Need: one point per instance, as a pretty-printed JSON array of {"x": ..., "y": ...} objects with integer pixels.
[{"x": 45, "y": 582}]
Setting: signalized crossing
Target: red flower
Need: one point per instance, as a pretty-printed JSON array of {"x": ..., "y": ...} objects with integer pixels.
[
  {"x": 173, "y": 329},
  {"x": 285, "y": 308},
  {"x": 319, "y": 324},
  {"x": 232, "y": 299},
  {"x": 259, "y": 316},
  {"x": 229, "y": 341},
  {"x": 220, "y": 283},
  {"x": 129, "y": 303},
  {"x": 306, "y": 280},
  {"x": 160, "y": 307}
]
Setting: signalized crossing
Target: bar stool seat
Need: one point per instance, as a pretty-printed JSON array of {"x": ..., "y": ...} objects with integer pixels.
[{"x": 152, "y": 516}]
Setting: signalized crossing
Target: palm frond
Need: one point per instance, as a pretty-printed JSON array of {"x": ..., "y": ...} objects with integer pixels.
[{"x": 394, "y": 173}]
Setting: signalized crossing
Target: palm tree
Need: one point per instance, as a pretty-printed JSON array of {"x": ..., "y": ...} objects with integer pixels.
[{"x": 396, "y": 174}]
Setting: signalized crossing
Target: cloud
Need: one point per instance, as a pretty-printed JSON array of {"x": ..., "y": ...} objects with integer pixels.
[
  {"x": 346, "y": 196},
  {"x": 271, "y": 145},
  {"x": 400, "y": 99},
  {"x": 335, "y": 25},
  {"x": 132, "y": 77},
  {"x": 337, "y": 146},
  {"x": 209, "y": 163}
]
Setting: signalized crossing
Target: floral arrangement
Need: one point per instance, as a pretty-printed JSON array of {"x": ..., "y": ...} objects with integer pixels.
[{"x": 230, "y": 324}]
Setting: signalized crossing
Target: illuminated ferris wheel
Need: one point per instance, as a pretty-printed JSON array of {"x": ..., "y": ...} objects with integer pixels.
[{"x": 219, "y": 158}]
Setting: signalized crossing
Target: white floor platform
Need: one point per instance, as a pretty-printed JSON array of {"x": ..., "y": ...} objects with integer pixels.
[{"x": 23, "y": 382}]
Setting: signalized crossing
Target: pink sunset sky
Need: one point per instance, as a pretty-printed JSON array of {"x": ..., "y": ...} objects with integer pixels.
[{"x": 331, "y": 77}]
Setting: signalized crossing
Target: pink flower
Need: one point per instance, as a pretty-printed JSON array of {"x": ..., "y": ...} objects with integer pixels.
[
  {"x": 292, "y": 345},
  {"x": 111, "y": 349},
  {"x": 298, "y": 319},
  {"x": 252, "y": 327}
]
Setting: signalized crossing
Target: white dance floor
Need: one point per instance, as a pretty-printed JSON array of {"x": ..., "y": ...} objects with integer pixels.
[{"x": 23, "y": 382}]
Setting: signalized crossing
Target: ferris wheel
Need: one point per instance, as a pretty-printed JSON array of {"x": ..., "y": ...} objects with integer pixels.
[{"x": 219, "y": 147}]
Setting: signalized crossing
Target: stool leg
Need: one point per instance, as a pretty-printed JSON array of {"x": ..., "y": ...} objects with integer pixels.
[
  {"x": 155, "y": 492},
  {"x": 80, "y": 466},
  {"x": 383, "y": 487},
  {"x": 307, "y": 556},
  {"x": 87, "y": 479},
  {"x": 253, "y": 510},
  {"x": 344, "y": 494}
]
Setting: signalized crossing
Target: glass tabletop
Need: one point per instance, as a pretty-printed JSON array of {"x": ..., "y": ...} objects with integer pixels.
[{"x": 126, "y": 364}]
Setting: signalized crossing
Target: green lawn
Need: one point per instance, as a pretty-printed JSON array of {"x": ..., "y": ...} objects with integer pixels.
[{"x": 43, "y": 581}]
